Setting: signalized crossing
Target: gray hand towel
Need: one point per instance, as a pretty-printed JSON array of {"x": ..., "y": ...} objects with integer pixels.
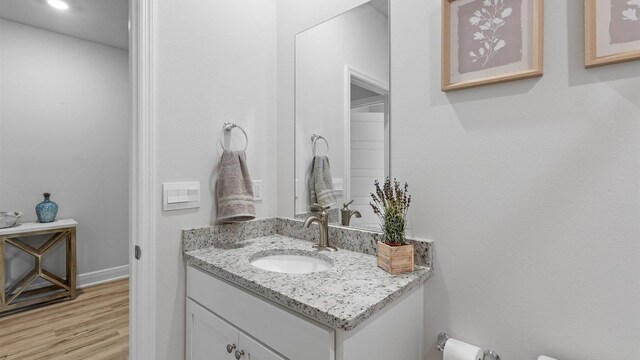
[
  {"x": 235, "y": 188},
  {"x": 321, "y": 183}
]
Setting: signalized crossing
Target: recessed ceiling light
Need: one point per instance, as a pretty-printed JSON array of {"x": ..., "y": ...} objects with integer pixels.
[{"x": 58, "y": 4}]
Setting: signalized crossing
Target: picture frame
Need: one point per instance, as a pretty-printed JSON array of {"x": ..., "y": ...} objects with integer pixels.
[
  {"x": 491, "y": 41},
  {"x": 611, "y": 32}
]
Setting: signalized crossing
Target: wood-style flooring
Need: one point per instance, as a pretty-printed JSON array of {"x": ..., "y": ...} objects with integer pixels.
[{"x": 94, "y": 326}]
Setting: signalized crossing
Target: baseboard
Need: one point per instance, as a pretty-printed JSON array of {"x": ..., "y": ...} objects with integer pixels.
[
  {"x": 90, "y": 278},
  {"x": 102, "y": 276}
]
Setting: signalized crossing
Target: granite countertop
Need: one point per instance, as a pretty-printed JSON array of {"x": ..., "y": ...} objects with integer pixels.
[{"x": 341, "y": 297}]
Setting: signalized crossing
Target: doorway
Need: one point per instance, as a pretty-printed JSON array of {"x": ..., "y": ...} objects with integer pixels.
[
  {"x": 66, "y": 128},
  {"x": 367, "y": 142}
]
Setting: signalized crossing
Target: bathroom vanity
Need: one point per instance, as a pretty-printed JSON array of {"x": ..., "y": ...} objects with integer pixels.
[{"x": 350, "y": 310}]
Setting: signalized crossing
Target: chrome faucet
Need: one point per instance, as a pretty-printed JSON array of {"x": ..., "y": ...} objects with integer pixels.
[
  {"x": 348, "y": 213},
  {"x": 323, "y": 222}
]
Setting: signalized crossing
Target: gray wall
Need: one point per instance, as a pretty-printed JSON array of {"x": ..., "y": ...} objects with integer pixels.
[
  {"x": 531, "y": 191},
  {"x": 65, "y": 128},
  {"x": 216, "y": 62}
]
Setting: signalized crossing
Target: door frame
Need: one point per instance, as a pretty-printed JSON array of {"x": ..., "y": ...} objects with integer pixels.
[
  {"x": 352, "y": 75},
  {"x": 143, "y": 200}
]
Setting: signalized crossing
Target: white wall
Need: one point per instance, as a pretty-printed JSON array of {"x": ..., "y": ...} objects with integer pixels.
[
  {"x": 531, "y": 191},
  {"x": 358, "y": 39},
  {"x": 65, "y": 128},
  {"x": 216, "y": 62},
  {"x": 534, "y": 210}
]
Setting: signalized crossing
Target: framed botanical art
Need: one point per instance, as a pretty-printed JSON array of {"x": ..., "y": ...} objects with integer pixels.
[
  {"x": 490, "y": 41},
  {"x": 612, "y": 31}
]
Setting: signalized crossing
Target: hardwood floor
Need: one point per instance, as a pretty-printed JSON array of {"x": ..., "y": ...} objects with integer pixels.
[{"x": 94, "y": 326}]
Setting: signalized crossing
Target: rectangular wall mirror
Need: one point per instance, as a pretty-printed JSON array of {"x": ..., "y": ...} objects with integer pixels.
[{"x": 342, "y": 113}]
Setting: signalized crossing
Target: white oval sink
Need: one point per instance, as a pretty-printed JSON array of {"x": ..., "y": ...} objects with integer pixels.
[{"x": 291, "y": 264}]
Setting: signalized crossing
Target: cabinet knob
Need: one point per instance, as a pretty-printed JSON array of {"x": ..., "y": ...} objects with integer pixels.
[
  {"x": 230, "y": 348},
  {"x": 239, "y": 354}
]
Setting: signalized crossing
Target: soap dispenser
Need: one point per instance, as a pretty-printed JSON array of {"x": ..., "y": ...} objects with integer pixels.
[{"x": 347, "y": 213}]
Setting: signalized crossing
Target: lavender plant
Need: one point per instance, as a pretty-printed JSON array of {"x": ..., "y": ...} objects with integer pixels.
[{"x": 390, "y": 204}]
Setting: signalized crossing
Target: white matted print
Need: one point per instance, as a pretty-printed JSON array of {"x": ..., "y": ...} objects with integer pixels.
[
  {"x": 612, "y": 31},
  {"x": 490, "y": 41}
]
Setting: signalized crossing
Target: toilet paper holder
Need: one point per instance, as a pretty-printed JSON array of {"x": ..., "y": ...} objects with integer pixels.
[{"x": 442, "y": 341}]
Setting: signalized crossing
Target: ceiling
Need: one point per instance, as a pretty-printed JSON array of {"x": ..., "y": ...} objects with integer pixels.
[
  {"x": 358, "y": 93},
  {"x": 101, "y": 21},
  {"x": 382, "y": 6}
]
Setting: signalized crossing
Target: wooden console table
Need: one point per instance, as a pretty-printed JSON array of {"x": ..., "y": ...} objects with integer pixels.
[{"x": 17, "y": 296}]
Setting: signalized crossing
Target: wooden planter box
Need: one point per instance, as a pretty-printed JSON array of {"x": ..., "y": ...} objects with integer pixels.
[{"x": 395, "y": 259}]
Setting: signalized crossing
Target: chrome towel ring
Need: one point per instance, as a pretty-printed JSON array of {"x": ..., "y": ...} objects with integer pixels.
[
  {"x": 314, "y": 139},
  {"x": 228, "y": 126}
]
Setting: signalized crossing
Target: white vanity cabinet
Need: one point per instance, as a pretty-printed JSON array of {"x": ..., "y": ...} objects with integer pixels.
[
  {"x": 220, "y": 313},
  {"x": 210, "y": 337},
  {"x": 254, "y": 320}
]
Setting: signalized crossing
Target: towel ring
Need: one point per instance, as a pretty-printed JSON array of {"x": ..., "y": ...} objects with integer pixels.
[
  {"x": 228, "y": 126},
  {"x": 314, "y": 139}
]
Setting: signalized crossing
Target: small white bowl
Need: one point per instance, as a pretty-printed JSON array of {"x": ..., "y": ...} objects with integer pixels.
[{"x": 9, "y": 219}]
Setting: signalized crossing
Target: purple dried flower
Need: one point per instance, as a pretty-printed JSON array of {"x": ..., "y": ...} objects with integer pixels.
[{"x": 390, "y": 204}]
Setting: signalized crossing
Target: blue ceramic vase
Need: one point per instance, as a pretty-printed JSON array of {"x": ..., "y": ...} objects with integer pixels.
[{"x": 47, "y": 210}]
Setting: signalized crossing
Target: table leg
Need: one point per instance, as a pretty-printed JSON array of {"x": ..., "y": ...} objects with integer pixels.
[
  {"x": 2, "y": 238},
  {"x": 71, "y": 263}
]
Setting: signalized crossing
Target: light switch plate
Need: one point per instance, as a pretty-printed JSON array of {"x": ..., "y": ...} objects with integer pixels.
[
  {"x": 257, "y": 190},
  {"x": 181, "y": 195}
]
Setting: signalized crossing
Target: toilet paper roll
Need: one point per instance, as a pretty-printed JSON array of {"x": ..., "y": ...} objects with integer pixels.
[{"x": 458, "y": 350}]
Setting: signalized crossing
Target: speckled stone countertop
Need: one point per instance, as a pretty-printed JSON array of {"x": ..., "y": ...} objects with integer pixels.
[{"x": 342, "y": 297}]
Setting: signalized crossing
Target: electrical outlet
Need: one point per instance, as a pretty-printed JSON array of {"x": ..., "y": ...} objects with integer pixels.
[{"x": 257, "y": 190}]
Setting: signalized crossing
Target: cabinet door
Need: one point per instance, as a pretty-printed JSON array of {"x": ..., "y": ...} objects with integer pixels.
[
  {"x": 289, "y": 334},
  {"x": 208, "y": 335},
  {"x": 256, "y": 351}
]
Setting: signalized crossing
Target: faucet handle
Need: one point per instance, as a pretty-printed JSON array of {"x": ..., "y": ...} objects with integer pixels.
[
  {"x": 318, "y": 207},
  {"x": 345, "y": 206}
]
